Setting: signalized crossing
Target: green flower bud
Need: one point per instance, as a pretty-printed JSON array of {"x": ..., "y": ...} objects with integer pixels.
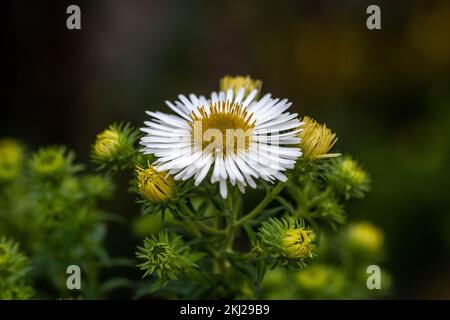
[
  {"x": 114, "y": 146},
  {"x": 98, "y": 186},
  {"x": 348, "y": 177},
  {"x": 286, "y": 240},
  {"x": 51, "y": 162},
  {"x": 169, "y": 259}
]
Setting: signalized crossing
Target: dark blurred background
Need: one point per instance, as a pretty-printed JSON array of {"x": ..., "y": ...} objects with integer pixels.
[{"x": 385, "y": 92}]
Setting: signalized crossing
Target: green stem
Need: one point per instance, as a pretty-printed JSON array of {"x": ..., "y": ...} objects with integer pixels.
[
  {"x": 263, "y": 204},
  {"x": 199, "y": 224}
]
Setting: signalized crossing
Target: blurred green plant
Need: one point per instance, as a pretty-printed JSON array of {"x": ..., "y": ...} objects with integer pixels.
[{"x": 51, "y": 208}]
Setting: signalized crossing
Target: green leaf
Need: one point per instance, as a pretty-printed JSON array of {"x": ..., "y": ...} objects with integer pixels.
[
  {"x": 261, "y": 266},
  {"x": 251, "y": 234}
]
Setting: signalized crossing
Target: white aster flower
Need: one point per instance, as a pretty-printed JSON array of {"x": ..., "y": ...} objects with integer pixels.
[{"x": 233, "y": 136}]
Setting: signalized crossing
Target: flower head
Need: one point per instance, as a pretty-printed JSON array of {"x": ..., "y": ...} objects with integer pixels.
[
  {"x": 230, "y": 135},
  {"x": 348, "y": 177},
  {"x": 52, "y": 162},
  {"x": 237, "y": 82},
  {"x": 316, "y": 140},
  {"x": 286, "y": 240},
  {"x": 11, "y": 156},
  {"x": 158, "y": 187},
  {"x": 114, "y": 146},
  {"x": 365, "y": 236},
  {"x": 107, "y": 144},
  {"x": 168, "y": 258}
]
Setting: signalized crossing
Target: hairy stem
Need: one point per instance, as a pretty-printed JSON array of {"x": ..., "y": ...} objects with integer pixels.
[{"x": 263, "y": 204}]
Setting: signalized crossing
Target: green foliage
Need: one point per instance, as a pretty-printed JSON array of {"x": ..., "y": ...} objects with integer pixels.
[
  {"x": 51, "y": 209},
  {"x": 14, "y": 266}
]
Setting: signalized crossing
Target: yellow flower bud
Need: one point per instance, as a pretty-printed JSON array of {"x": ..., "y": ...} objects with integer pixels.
[
  {"x": 297, "y": 243},
  {"x": 316, "y": 140},
  {"x": 11, "y": 155},
  {"x": 366, "y": 236},
  {"x": 106, "y": 144},
  {"x": 238, "y": 82},
  {"x": 158, "y": 187}
]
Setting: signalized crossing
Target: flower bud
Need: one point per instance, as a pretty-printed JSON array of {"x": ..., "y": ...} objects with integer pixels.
[
  {"x": 316, "y": 140},
  {"x": 107, "y": 144},
  {"x": 50, "y": 161},
  {"x": 169, "y": 259},
  {"x": 365, "y": 236},
  {"x": 348, "y": 177},
  {"x": 114, "y": 147},
  {"x": 11, "y": 156},
  {"x": 286, "y": 240},
  {"x": 238, "y": 82},
  {"x": 158, "y": 187}
]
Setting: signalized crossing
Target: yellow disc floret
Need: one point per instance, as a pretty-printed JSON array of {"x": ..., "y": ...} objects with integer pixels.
[{"x": 226, "y": 128}]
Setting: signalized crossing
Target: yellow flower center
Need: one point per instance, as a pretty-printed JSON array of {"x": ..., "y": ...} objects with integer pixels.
[
  {"x": 155, "y": 186},
  {"x": 297, "y": 243},
  {"x": 227, "y": 128}
]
